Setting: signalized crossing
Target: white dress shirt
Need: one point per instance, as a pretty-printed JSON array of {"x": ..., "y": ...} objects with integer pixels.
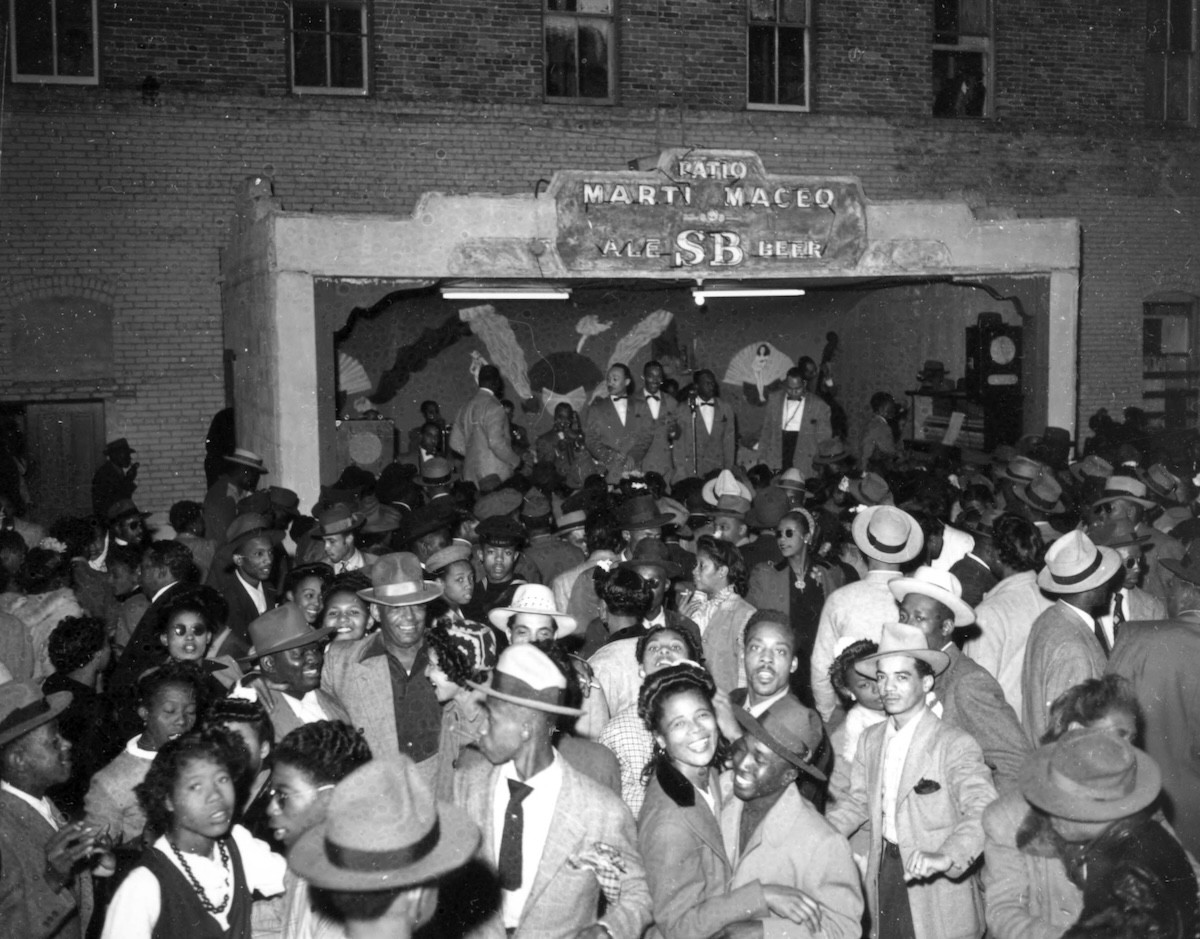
[
  {"x": 793, "y": 415},
  {"x": 895, "y": 751},
  {"x": 308, "y": 709},
  {"x": 622, "y": 407},
  {"x": 537, "y": 812},
  {"x": 355, "y": 562},
  {"x": 654, "y": 403},
  {"x": 707, "y": 413},
  {"x": 757, "y": 710},
  {"x": 257, "y": 594}
]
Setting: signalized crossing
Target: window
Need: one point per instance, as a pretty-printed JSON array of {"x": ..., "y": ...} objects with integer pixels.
[
  {"x": 1170, "y": 367},
  {"x": 329, "y": 47},
  {"x": 778, "y": 54},
  {"x": 579, "y": 50},
  {"x": 962, "y": 58},
  {"x": 1170, "y": 60},
  {"x": 54, "y": 41}
]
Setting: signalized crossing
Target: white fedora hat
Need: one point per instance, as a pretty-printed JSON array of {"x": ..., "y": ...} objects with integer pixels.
[
  {"x": 886, "y": 533},
  {"x": 1075, "y": 564},
  {"x": 939, "y": 585}
]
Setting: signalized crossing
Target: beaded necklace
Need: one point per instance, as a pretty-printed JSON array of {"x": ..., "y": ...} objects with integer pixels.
[{"x": 208, "y": 905}]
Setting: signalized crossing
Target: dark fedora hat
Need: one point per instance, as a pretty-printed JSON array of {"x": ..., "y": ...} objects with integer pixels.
[
  {"x": 640, "y": 512},
  {"x": 250, "y": 525},
  {"x": 122, "y": 508},
  {"x": 281, "y": 629},
  {"x": 436, "y": 472},
  {"x": 338, "y": 520},
  {"x": 120, "y": 445},
  {"x": 1090, "y": 775},
  {"x": 23, "y": 707},
  {"x": 789, "y": 729},
  {"x": 650, "y": 552}
]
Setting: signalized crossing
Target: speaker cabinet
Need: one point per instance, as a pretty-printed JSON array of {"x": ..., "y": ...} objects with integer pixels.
[
  {"x": 994, "y": 356},
  {"x": 370, "y": 445}
]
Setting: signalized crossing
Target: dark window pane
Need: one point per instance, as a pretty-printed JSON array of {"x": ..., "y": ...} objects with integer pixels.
[
  {"x": 791, "y": 67},
  {"x": 945, "y": 21},
  {"x": 958, "y": 89},
  {"x": 973, "y": 18},
  {"x": 346, "y": 64},
  {"x": 562, "y": 6},
  {"x": 593, "y": 60},
  {"x": 1178, "y": 85},
  {"x": 35, "y": 39},
  {"x": 1155, "y": 88},
  {"x": 561, "y": 80},
  {"x": 1181, "y": 25},
  {"x": 762, "y": 65},
  {"x": 308, "y": 17},
  {"x": 75, "y": 38},
  {"x": 346, "y": 20},
  {"x": 310, "y": 60},
  {"x": 1156, "y": 25}
]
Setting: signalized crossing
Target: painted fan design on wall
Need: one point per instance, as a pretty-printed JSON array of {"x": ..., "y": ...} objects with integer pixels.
[
  {"x": 352, "y": 377},
  {"x": 759, "y": 368}
]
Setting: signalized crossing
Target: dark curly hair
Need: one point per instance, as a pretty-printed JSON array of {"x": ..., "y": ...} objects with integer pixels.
[
  {"x": 694, "y": 652},
  {"x": 206, "y": 602},
  {"x": 42, "y": 571},
  {"x": 844, "y": 662},
  {"x": 1089, "y": 701},
  {"x": 346, "y": 582},
  {"x": 124, "y": 556},
  {"x": 75, "y": 642},
  {"x": 1018, "y": 543},
  {"x": 658, "y": 688},
  {"x": 623, "y": 591},
  {"x": 240, "y": 711},
  {"x": 213, "y": 744},
  {"x": 320, "y": 570},
  {"x": 727, "y": 555},
  {"x": 450, "y": 658},
  {"x": 185, "y": 674},
  {"x": 183, "y": 513},
  {"x": 327, "y": 751}
]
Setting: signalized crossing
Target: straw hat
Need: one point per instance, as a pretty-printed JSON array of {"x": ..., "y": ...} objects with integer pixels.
[
  {"x": 1074, "y": 564},
  {"x": 903, "y": 639},
  {"x": 1090, "y": 775},
  {"x": 1127, "y": 488},
  {"x": 870, "y": 489},
  {"x": 525, "y": 675},
  {"x": 939, "y": 585},
  {"x": 640, "y": 512},
  {"x": 791, "y": 480},
  {"x": 650, "y": 552},
  {"x": 1091, "y": 466},
  {"x": 886, "y": 533},
  {"x": 1042, "y": 493},
  {"x": 243, "y": 457},
  {"x": 725, "y": 484},
  {"x": 533, "y": 598}
]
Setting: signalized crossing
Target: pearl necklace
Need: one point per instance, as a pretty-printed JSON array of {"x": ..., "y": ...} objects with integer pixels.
[{"x": 208, "y": 905}]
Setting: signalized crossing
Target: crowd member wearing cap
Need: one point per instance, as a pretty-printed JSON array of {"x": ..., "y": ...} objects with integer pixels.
[
  {"x": 772, "y": 834},
  {"x": 794, "y": 424},
  {"x": 707, "y": 431},
  {"x": 556, "y": 839},
  {"x": 1097, "y": 791},
  {"x": 679, "y": 826},
  {"x": 480, "y": 433},
  {"x": 337, "y": 527},
  {"x": 45, "y": 863},
  {"x": 289, "y": 653},
  {"x": 306, "y": 766},
  {"x": 550, "y": 555},
  {"x": 381, "y": 680},
  {"x": 1126, "y": 497},
  {"x": 922, "y": 786},
  {"x": 385, "y": 844},
  {"x": 664, "y": 412},
  {"x": 888, "y": 538},
  {"x": 1158, "y": 659},
  {"x": 720, "y": 610},
  {"x": 1006, "y": 614},
  {"x": 968, "y": 696},
  {"x": 618, "y": 428},
  {"x": 501, "y": 539},
  {"x": 1066, "y": 644},
  {"x": 1130, "y": 601},
  {"x": 243, "y": 470},
  {"x": 199, "y": 875},
  {"x": 116, "y": 478}
]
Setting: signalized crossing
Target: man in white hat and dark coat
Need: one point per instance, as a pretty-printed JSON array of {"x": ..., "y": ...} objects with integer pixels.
[
  {"x": 888, "y": 538},
  {"x": 45, "y": 863},
  {"x": 1067, "y": 644},
  {"x": 243, "y": 470},
  {"x": 967, "y": 696},
  {"x": 554, "y": 839},
  {"x": 921, "y": 786},
  {"x": 381, "y": 679}
]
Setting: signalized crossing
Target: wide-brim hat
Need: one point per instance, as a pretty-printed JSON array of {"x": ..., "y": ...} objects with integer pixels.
[
  {"x": 1090, "y": 775},
  {"x": 383, "y": 830},
  {"x": 501, "y": 502},
  {"x": 398, "y": 580},
  {"x": 338, "y": 520},
  {"x": 23, "y": 708},
  {"x": 526, "y": 676},
  {"x": 1161, "y": 483},
  {"x": 383, "y": 519},
  {"x": 1187, "y": 567},
  {"x": 251, "y": 525},
  {"x": 284, "y": 500},
  {"x": 725, "y": 484},
  {"x": 731, "y": 506},
  {"x": 886, "y": 533},
  {"x": 1128, "y": 488},
  {"x": 569, "y": 521},
  {"x": 938, "y": 585},
  {"x": 457, "y": 550},
  {"x": 119, "y": 445},
  {"x": 281, "y": 629},
  {"x": 1117, "y": 533},
  {"x": 435, "y": 516},
  {"x": 502, "y": 531},
  {"x": 932, "y": 367},
  {"x": 832, "y": 451},
  {"x": 640, "y": 512},
  {"x": 650, "y": 552},
  {"x": 786, "y": 727},
  {"x": 436, "y": 472},
  {"x": 534, "y": 598},
  {"x": 769, "y": 506},
  {"x": 870, "y": 489},
  {"x": 122, "y": 508},
  {"x": 1075, "y": 564},
  {"x": 1022, "y": 469},
  {"x": 903, "y": 639},
  {"x": 1042, "y": 493},
  {"x": 790, "y": 480},
  {"x": 1091, "y": 467},
  {"x": 243, "y": 457}
]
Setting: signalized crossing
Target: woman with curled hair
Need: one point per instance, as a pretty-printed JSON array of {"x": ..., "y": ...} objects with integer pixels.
[
  {"x": 344, "y": 610},
  {"x": 197, "y": 878},
  {"x": 305, "y": 586},
  {"x": 679, "y": 833},
  {"x": 718, "y": 609},
  {"x": 44, "y": 599}
]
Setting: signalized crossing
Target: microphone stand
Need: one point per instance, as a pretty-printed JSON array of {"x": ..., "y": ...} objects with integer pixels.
[{"x": 695, "y": 456}]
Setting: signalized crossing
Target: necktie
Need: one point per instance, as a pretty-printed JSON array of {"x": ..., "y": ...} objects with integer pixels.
[
  {"x": 1102, "y": 638},
  {"x": 510, "y": 839},
  {"x": 1118, "y": 616}
]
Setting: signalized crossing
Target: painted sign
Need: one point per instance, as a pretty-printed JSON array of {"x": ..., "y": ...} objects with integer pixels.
[{"x": 711, "y": 213}]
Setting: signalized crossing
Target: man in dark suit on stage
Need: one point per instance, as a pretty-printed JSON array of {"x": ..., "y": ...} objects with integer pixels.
[
  {"x": 618, "y": 430},
  {"x": 708, "y": 434},
  {"x": 664, "y": 411}
]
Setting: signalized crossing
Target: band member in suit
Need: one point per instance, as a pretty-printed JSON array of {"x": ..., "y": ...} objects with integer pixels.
[
  {"x": 481, "y": 433},
  {"x": 795, "y": 424},
  {"x": 664, "y": 411},
  {"x": 618, "y": 429},
  {"x": 708, "y": 431}
]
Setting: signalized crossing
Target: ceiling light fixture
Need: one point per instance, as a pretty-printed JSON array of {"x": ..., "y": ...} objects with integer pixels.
[
  {"x": 516, "y": 292},
  {"x": 700, "y": 294}
]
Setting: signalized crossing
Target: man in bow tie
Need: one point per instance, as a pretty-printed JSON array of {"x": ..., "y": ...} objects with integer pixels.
[
  {"x": 618, "y": 430},
  {"x": 708, "y": 435},
  {"x": 664, "y": 411},
  {"x": 794, "y": 425}
]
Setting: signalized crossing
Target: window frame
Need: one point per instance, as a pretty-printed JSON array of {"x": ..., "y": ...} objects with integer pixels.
[
  {"x": 777, "y": 25},
  {"x": 1157, "y": 64},
  {"x": 612, "y": 19},
  {"x": 980, "y": 44},
  {"x": 365, "y": 40},
  {"x": 34, "y": 79}
]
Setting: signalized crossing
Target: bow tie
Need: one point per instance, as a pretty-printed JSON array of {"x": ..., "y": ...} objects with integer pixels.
[
  {"x": 707, "y": 404},
  {"x": 650, "y": 397},
  {"x": 617, "y": 397}
]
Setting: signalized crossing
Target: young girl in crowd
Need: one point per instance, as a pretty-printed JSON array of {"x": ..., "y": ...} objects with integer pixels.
[
  {"x": 306, "y": 585},
  {"x": 190, "y": 628},
  {"x": 167, "y": 708},
  {"x": 458, "y": 653},
  {"x": 197, "y": 879},
  {"x": 345, "y": 610},
  {"x": 454, "y": 571},
  {"x": 679, "y": 833},
  {"x": 718, "y": 609}
]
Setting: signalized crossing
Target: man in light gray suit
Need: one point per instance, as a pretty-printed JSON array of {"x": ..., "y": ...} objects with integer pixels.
[
  {"x": 554, "y": 839},
  {"x": 481, "y": 433}
]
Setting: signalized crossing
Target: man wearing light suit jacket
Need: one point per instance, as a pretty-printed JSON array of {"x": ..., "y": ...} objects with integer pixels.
[
  {"x": 481, "y": 433},
  {"x": 554, "y": 839},
  {"x": 795, "y": 424},
  {"x": 618, "y": 430},
  {"x": 708, "y": 431}
]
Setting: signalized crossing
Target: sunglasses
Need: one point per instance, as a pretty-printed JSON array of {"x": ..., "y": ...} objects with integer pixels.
[{"x": 786, "y": 533}]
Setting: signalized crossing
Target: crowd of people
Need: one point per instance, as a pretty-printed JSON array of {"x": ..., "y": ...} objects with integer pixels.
[{"x": 610, "y": 684}]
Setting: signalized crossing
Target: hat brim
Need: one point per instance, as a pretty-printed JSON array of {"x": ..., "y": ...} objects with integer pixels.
[
  {"x": 426, "y": 594},
  {"x": 1038, "y": 788},
  {"x": 342, "y": 527},
  {"x": 670, "y": 569},
  {"x": 295, "y": 642},
  {"x": 1181, "y": 570},
  {"x": 936, "y": 659},
  {"x": 855, "y": 490},
  {"x": 709, "y": 492},
  {"x": 1021, "y": 493},
  {"x": 858, "y": 530},
  {"x": 564, "y": 625},
  {"x": 526, "y": 702},
  {"x": 1136, "y": 500},
  {"x": 903, "y": 586},
  {"x": 432, "y": 482},
  {"x": 639, "y": 524},
  {"x": 755, "y": 729},
  {"x": 257, "y": 467},
  {"x": 56, "y": 703},
  {"x": 379, "y": 528},
  {"x": 271, "y": 534},
  {"x": 819, "y": 460},
  {"x": 457, "y": 842},
  {"x": 1110, "y": 563}
]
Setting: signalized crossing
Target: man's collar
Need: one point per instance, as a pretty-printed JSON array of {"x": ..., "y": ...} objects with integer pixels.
[
  {"x": 245, "y": 583},
  {"x": 1088, "y": 619}
]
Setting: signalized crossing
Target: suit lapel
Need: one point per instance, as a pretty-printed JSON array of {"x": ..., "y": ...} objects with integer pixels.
[
  {"x": 566, "y": 832},
  {"x": 918, "y": 749}
]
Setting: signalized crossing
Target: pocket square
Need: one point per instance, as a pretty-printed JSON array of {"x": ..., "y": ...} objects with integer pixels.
[
  {"x": 926, "y": 786},
  {"x": 607, "y": 863}
]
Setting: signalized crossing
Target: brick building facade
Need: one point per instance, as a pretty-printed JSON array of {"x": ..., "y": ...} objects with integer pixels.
[{"x": 118, "y": 190}]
